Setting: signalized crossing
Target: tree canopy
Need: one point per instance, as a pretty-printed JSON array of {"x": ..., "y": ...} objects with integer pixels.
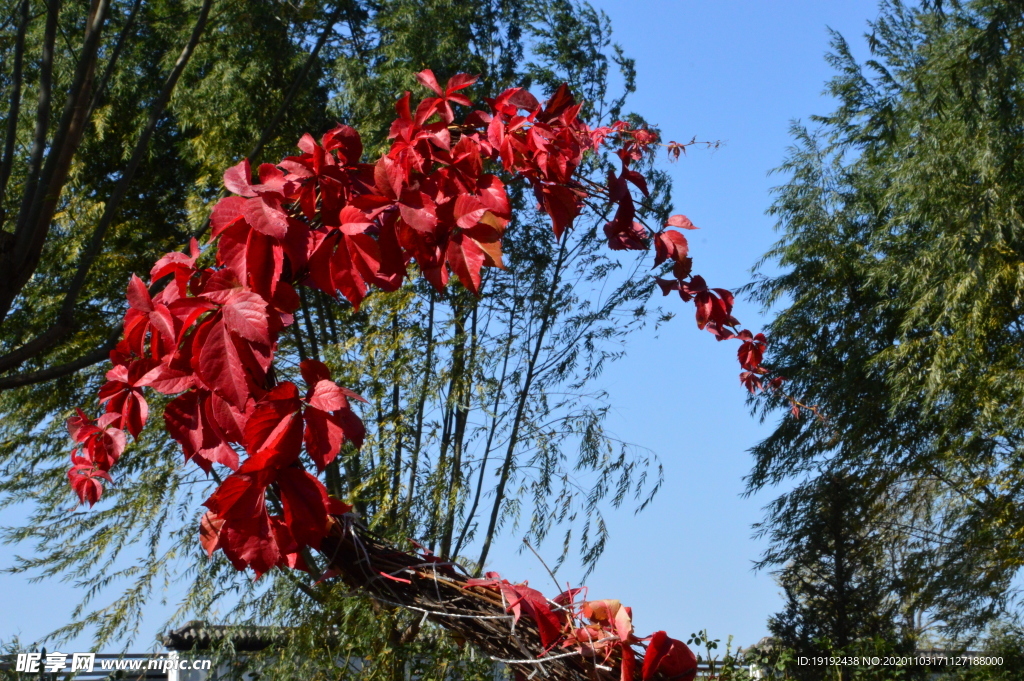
[{"x": 900, "y": 294}]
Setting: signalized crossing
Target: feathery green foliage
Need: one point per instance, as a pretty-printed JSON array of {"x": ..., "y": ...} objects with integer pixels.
[{"x": 902, "y": 262}]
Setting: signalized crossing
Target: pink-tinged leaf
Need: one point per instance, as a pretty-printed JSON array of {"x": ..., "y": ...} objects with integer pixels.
[
  {"x": 266, "y": 216},
  {"x": 418, "y": 211},
  {"x": 468, "y": 210},
  {"x": 176, "y": 263},
  {"x": 459, "y": 81},
  {"x": 245, "y": 313},
  {"x": 238, "y": 179},
  {"x": 227, "y": 212},
  {"x": 307, "y": 144},
  {"x": 523, "y": 600},
  {"x": 328, "y": 396},
  {"x": 680, "y": 221}
]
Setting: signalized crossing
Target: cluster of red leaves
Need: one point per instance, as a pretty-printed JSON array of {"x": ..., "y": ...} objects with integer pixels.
[
  {"x": 714, "y": 305},
  {"x": 326, "y": 220},
  {"x": 601, "y": 630}
]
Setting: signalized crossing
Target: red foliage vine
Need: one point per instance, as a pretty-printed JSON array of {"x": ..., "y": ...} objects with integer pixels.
[{"x": 326, "y": 220}]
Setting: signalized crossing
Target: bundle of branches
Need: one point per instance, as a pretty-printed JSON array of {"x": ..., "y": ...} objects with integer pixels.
[{"x": 511, "y": 623}]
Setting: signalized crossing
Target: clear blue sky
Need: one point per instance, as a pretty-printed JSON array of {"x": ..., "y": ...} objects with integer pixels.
[{"x": 736, "y": 71}]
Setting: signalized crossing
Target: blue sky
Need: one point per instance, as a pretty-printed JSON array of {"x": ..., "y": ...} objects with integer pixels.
[{"x": 735, "y": 71}]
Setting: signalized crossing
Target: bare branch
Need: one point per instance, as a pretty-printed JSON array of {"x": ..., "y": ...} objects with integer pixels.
[
  {"x": 34, "y": 222},
  {"x": 48, "y": 374},
  {"x": 42, "y": 113},
  {"x": 108, "y": 72},
  {"x": 65, "y": 320},
  {"x": 14, "y": 109}
]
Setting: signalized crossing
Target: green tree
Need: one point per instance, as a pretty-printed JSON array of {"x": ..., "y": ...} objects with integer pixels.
[
  {"x": 829, "y": 551},
  {"x": 900, "y": 291},
  {"x": 480, "y": 413}
]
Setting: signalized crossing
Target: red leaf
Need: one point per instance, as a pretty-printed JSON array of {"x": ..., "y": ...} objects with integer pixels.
[
  {"x": 465, "y": 258},
  {"x": 314, "y": 371},
  {"x": 627, "y": 670},
  {"x": 670, "y": 245},
  {"x": 680, "y": 221},
  {"x": 218, "y": 362},
  {"x": 562, "y": 205},
  {"x": 138, "y": 295},
  {"x": 427, "y": 79},
  {"x": 305, "y": 512},
  {"x": 458, "y": 82},
  {"x": 85, "y": 479},
  {"x": 227, "y": 212},
  {"x": 265, "y": 215},
  {"x": 252, "y": 543},
  {"x": 239, "y": 497},
  {"x": 667, "y": 285},
  {"x": 418, "y": 211},
  {"x": 209, "y": 532},
  {"x": 750, "y": 381},
  {"x": 637, "y": 179},
  {"x": 237, "y": 179},
  {"x": 522, "y": 600},
  {"x": 323, "y": 436},
  {"x": 188, "y": 419},
  {"x": 245, "y": 314},
  {"x": 346, "y": 140},
  {"x": 272, "y": 422},
  {"x": 670, "y": 658}
]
